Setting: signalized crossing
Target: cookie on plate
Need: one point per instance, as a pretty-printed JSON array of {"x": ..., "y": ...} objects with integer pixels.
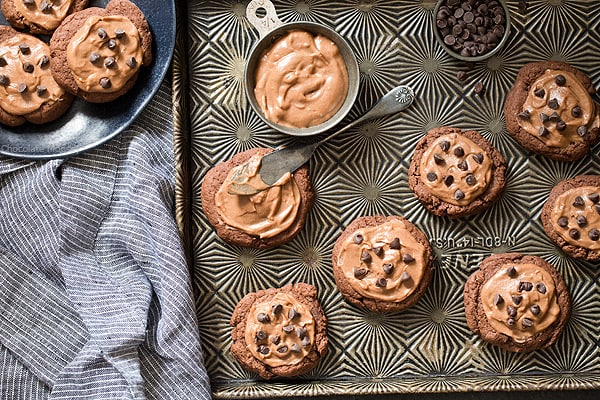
[
  {"x": 456, "y": 173},
  {"x": 269, "y": 218},
  {"x": 279, "y": 331},
  {"x": 382, "y": 263},
  {"x": 517, "y": 302},
  {"x": 39, "y": 16},
  {"x": 28, "y": 92},
  {"x": 97, "y": 53},
  {"x": 550, "y": 112},
  {"x": 571, "y": 216}
]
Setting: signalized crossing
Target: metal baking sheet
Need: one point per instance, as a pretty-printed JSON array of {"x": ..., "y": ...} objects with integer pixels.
[{"x": 429, "y": 347}]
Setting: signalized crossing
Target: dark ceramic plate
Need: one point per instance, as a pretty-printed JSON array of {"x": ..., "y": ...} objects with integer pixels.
[{"x": 88, "y": 125}]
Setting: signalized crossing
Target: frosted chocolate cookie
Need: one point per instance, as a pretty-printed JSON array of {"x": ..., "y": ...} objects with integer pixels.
[
  {"x": 39, "y": 16},
  {"x": 571, "y": 216},
  {"x": 517, "y": 302},
  {"x": 268, "y": 218},
  {"x": 382, "y": 263},
  {"x": 456, "y": 173},
  {"x": 279, "y": 331},
  {"x": 97, "y": 53},
  {"x": 549, "y": 111},
  {"x": 28, "y": 92}
]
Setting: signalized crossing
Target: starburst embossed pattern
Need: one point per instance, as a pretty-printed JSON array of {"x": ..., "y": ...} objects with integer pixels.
[{"x": 363, "y": 171}]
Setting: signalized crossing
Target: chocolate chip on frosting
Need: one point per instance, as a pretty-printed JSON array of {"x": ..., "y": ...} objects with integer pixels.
[
  {"x": 563, "y": 222},
  {"x": 105, "y": 83},
  {"x": 470, "y": 179},
  {"x": 524, "y": 115},
  {"x": 574, "y": 234},
  {"x": 28, "y": 67},
  {"x": 438, "y": 159},
  {"x": 478, "y": 158},
  {"x": 445, "y": 145},
  {"x": 360, "y": 273},
  {"x": 511, "y": 311},
  {"x": 526, "y": 323},
  {"x": 539, "y": 93},
  {"x": 560, "y": 80},
  {"x": 510, "y": 322},
  {"x": 561, "y": 126},
  {"x": 459, "y": 151},
  {"x": 40, "y": 90},
  {"x": 540, "y": 287},
  {"x": 305, "y": 341},
  {"x": 463, "y": 165},
  {"x": 131, "y": 62},
  {"x": 395, "y": 244},
  {"x": 407, "y": 258},
  {"x": 582, "y": 130},
  {"x": 553, "y": 104},
  {"x": 405, "y": 277},
  {"x": 295, "y": 348},
  {"x": 594, "y": 197},
  {"x": 544, "y": 117},
  {"x": 517, "y": 299},
  {"x": 535, "y": 309},
  {"x": 388, "y": 268},
  {"x": 381, "y": 282},
  {"x": 276, "y": 309},
  {"x": 94, "y": 57},
  {"x": 46, "y": 7},
  {"x": 22, "y": 87},
  {"x": 2, "y": 62},
  {"x": 378, "y": 251},
  {"x": 448, "y": 180},
  {"x": 288, "y": 328},
  {"x": 594, "y": 234},
  {"x": 525, "y": 286},
  {"x": 459, "y": 194},
  {"x": 4, "y": 80},
  {"x": 578, "y": 202},
  {"x": 576, "y": 111},
  {"x": 44, "y": 61},
  {"x": 301, "y": 332},
  {"x": 283, "y": 349},
  {"x": 582, "y": 221},
  {"x": 543, "y": 131},
  {"x": 260, "y": 335},
  {"x": 293, "y": 314},
  {"x": 511, "y": 272},
  {"x": 432, "y": 176},
  {"x": 262, "y": 349},
  {"x": 24, "y": 48},
  {"x": 498, "y": 299},
  {"x": 263, "y": 318},
  {"x": 29, "y": 2},
  {"x": 554, "y": 117},
  {"x": 366, "y": 257},
  {"x": 358, "y": 238},
  {"x": 597, "y": 208},
  {"x": 109, "y": 62},
  {"x": 112, "y": 44},
  {"x": 102, "y": 33}
]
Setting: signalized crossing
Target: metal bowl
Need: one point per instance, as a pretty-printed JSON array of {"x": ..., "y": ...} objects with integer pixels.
[
  {"x": 483, "y": 56},
  {"x": 271, "y": 29}
]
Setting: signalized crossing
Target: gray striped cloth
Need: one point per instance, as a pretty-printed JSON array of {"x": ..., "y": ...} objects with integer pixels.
[{"x": 95, "y": 294}]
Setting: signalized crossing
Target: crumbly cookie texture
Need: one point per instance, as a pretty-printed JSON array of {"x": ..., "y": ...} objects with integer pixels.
[
  {"x": 298, "y": 340},
  {"x": 517, "y": 302},
  {"x": 553, "y": 109},
  {"x": 571, "y": 216},
  {"x": 447, "y": 176}
]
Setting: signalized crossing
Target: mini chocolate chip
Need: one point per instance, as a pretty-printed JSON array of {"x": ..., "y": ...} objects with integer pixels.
[
  {"x": 438, "y": 159},
  {"x": 563, "y": 222},
  {"x": 511, "y": 272},
  {"x": 561, "y": 126},
  {"x": 102, "y": 33},
  {"x": 553, "y": 104},
  {"x": 543, "y": 131},
  {"x": 459, "y": 194},
  {"x": 448, "y": 180},
  {"x": 358, "y": 238},
  {"x": 576, "y": 111},
  {"x": 445, "y": 145},
  {"x": 378, "y": 251},
  {"x": 295, "y": 348},
  {"x": 535, "y": 309},
  {"x": 539, "y": 93},
  {"x": 432, "y": 176},
  {"x": 119, "y": 33},
  {"x": 28, "y": 67},
  {"x": 407, "y": 258},
  {"x": 524, "y": 115},
  {"x": 594, "y": 234},
  {"x": 360, "y": 273},
  {"x": 381, "y": 282},
  {"x": 405, "y": 277},
  {"x": 24, "y": 48},
  {"x": 261, "y": 335},
  {"x": 262, "y": 349},
  {"x": 582, "y": 130},
  {"x": 112, "y": 44},
  {"x": 288, "y": 328},
  {"x": 463, "y": 165},
  {"x": 478, "y": 158},
  {"x": 40, "y": 90},
  {"x": 574, "y": 234},
  {"x": 470, "y": 179},
  {"x": 388, "y": 268},
  {"x": 395, "y": 244},
  {"x": 479, "y": 89},
  {"x": 511, "y": 311},
  {"x": 282, "y": 349},
  {"x": 517, "y": 299},
  {"x": 582, "y": 221},
  {"x": 94, "y": 57},
  {"x": 366, "y": 257},
  {"x": 305, "y": 341},
  {"x": 131, "y": 62},
  {"x": 105, "y": 83},
  {"x": 578, "y": 202},
  {"x": 594, "y": 197},
  {"x": 458, "y": 151},
  {"x": 462, "y": 76},
  {"x": 525, "y": 286},
  {"x": 526, "y": 323},
  {"x": 498, "y": 299},
  {"x": 544, "y": 117},
  {"x": 46, "y": 6},
  {"x": 510, "y": 322},
  {"x": 3, "y": 80},
  {"x": 554, "y": 117},
  {"x": 2, "y": 62},
  {"x": 22, "y": 88},
  {"x": 540, "y": 287},
  {"x": 276, "y": 309},
  {"x": 43, "y": 61},
  {"x": 263, "y": 318},
  {"x": 560, "y": 80},
  {"x": 301, "y": 332},
  {"x": 109, "y": 62},
  {"x": 293, "y": 314}
]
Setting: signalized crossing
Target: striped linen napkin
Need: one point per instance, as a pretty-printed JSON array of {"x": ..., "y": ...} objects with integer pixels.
[{"x": 95, "y": 294}]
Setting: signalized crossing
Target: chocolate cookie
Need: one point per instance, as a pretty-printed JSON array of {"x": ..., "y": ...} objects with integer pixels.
[
  {"x": 517, "y": 302},
  {"x": 39, "y": 16},
  {"x": 571, "y": 216},
  {"x": 550, "y": 112},
  {"x": 97, "y": 53},
  {"x": 270, "y": 218},
  {"x": 382, "y": 263},
  {"x": 28, "y": 92},
  {"x": 279, "y": 332},
  {"x": 456, "y": 173}
]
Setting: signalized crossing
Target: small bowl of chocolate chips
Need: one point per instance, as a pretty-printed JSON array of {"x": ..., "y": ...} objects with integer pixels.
[{"x": 471, "y": 30}]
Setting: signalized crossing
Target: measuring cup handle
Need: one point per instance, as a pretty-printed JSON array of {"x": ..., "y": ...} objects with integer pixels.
[{"x": 264, "y": 24}]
